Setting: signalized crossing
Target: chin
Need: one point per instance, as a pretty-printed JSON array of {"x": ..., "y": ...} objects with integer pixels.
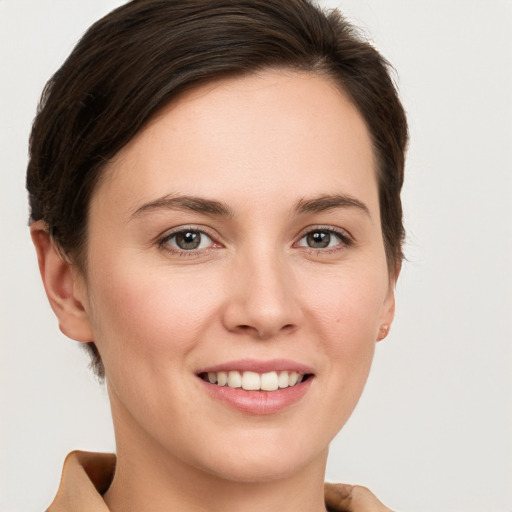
[
  {"x": 259, "y": 462},
  {"x": 257, "y": 470}
]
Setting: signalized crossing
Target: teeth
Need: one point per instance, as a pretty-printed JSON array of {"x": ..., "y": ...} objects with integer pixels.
[
  {"x": 234, "y": 379},
  {"x": 222, "y": 378},
  {"x": 252, "y": 381},
  {"x": 269, "y": 381},
  {"x": 293, "y": 377},
  {"x": 283, "y": 380}
]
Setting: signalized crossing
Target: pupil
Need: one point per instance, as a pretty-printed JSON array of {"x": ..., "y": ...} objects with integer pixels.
[
  {"x": 318, "y": 239},
  {"x": 188, "y": 240}
]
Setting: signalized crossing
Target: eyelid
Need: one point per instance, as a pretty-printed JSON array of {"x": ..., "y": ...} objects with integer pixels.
[
  {"x": 346, "y": 238},
  {"x": 162, "y": 240}
]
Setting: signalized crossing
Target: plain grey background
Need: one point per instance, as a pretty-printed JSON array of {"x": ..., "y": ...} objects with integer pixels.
[{"x": 433, "y": 430}]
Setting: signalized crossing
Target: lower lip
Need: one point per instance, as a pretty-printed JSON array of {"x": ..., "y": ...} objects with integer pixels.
[{"x": 259, "y": 402}]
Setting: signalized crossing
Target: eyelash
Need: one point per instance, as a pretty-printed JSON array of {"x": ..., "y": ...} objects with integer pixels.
[
  {"x": 345, "y": 240},
  {"x": 164, "y": 242}
]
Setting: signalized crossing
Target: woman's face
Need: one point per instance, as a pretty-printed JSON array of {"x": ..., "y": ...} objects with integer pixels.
[{"x": 239, "y": 232}]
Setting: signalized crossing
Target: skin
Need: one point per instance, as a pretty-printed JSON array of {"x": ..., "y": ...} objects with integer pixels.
[{"x": 260, "y": 145}]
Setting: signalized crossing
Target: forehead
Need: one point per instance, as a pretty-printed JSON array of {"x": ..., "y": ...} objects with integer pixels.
[{"x": 275, "y": 134}]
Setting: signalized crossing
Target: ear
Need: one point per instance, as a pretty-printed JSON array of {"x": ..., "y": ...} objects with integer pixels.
[
  {"x": 388, "y": 308},
  {"x": 62, "y": 283}
]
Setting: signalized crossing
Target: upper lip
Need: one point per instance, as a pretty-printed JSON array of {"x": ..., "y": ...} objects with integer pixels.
[{"x": 259, "y": 366}]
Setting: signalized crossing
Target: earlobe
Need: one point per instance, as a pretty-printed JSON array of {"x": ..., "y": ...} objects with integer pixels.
[
  {"x": 389, "y": 307},
  {"x": 383, "y": 331},
  {"x": 60, "y": 283},
  {"x": 388, "y": 315}
]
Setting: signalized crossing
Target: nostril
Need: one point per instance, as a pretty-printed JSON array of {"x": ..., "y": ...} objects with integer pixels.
[{"x": 264, "y": 333}]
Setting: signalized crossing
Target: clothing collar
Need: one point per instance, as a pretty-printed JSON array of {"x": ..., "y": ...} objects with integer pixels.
[{"x": 87, "y": 475}]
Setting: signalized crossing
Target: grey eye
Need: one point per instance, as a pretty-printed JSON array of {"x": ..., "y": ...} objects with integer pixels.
[
  {"x": 318, "y": 239},
  {"x": 189, "y": 240},
  {"x": 322, "y": 239}
]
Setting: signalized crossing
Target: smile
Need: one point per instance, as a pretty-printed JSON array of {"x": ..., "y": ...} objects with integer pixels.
[{"x": 253, "y": 381}]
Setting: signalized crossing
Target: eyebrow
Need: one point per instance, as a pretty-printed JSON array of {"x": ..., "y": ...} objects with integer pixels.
[
  {"x": 191, "y": 203},
  {"x": 211, "y": 207},
  {"x": 329, "y": 202}
]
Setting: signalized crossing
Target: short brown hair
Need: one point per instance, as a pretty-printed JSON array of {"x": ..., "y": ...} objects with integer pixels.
[{"x": 139, "y": 57}]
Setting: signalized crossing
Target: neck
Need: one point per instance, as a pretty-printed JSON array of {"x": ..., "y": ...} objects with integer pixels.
[
  {"x": 149, "y": 478},
  {"x": 188, "y": 490}
]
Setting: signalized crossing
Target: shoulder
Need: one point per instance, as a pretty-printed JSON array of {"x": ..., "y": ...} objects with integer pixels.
[{"x": 351, "y": 498}]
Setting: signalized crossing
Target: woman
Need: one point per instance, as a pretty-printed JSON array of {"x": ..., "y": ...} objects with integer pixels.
[{"x": 215, "y": 204}]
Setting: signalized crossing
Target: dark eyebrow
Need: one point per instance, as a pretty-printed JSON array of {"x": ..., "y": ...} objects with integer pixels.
[
  {"x": 329, "y": 202},
  {"x": 212, "y": 207},
  {"x": 192, "y": 203}
]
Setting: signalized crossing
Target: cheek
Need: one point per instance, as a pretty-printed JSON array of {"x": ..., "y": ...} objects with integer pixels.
[
  {"x": 347, "y": 312},
  {"x": 144, "y": 316},
  {"x": 348, "y": 306}
]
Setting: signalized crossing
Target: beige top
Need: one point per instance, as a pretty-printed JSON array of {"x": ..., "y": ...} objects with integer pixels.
[{"x": 86, "y": 476}]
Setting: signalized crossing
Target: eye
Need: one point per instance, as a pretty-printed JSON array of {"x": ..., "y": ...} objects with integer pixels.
[
  {"x": 187, "y": 240},
  {"x": 324, "y": 239}
]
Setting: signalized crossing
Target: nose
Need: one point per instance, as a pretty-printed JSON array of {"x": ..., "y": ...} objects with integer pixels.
[{"x": 262, "y": 299}]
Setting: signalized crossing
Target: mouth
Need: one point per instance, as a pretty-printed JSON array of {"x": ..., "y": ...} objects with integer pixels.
[
  {"x": 254, "y": 381},
  {"x": 257, "y": 387}
]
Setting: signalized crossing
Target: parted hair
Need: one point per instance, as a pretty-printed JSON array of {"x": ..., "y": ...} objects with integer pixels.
[{"x": 142, "y": 55}]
